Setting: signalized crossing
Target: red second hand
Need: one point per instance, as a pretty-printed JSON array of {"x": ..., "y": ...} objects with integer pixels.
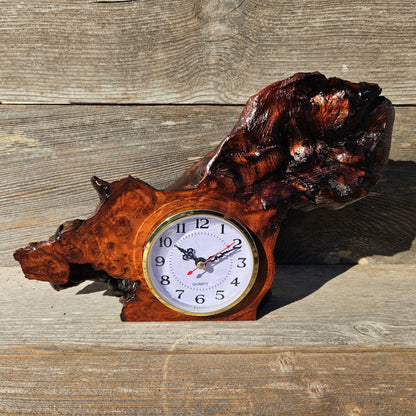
[{"x": 212, "y": 257}]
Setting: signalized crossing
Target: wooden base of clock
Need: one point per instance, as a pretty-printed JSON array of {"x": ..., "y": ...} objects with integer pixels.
[
  {"x": 304, "y": 142},
  {"x": 139, "y": 302}
]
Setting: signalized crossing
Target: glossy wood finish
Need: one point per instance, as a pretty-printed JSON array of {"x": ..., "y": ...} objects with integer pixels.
[{"x": 303, "y": 142}]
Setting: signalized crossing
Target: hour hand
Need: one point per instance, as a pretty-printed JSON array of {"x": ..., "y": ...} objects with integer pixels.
[{"x": 188, "y": 254}]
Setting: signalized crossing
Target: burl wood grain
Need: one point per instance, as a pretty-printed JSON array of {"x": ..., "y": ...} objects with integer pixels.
[{"x": 303, "y": 142}]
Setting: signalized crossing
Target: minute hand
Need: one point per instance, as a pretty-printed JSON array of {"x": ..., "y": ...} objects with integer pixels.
[
  {"x": 221, "y": 255},
  {"x": 211, "y": 258}
]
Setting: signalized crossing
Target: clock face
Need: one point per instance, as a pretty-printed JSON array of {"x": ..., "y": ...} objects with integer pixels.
[{"x": 200, "y": 262}]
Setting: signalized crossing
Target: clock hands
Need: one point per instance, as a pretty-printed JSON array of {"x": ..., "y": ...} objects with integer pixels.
[
  {"x": 219, "y": 256},
  {"x": 201, "y": 264},
  {"x": 188, "y": 254}
]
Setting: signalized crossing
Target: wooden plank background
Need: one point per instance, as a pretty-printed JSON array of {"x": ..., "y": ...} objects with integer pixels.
[
  {"x": 312, "y": 307},
  {"x": 154, "y": 86},
  {"x": 200, "y": 51}
]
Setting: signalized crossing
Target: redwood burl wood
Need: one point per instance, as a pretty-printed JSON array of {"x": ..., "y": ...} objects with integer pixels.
[{"x": 303, "y": 142}]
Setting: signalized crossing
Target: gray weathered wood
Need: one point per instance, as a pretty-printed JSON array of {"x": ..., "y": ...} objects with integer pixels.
[
  {"x": 136, "y": 383},
  {"x": 342, "y": 342},
  {"x": 319, "y": 307},
  {"x": 48, "y": 154},
  {"x": 198, "y": 51}
]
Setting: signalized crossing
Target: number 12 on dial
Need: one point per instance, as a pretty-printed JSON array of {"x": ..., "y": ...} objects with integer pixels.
[{"x": 200, "y": 262}]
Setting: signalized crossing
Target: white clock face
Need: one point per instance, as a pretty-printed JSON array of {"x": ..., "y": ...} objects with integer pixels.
[{"x": 200, "y": 262}]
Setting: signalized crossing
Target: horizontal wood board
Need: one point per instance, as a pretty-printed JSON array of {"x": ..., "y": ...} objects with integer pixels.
[
  {"x": 318, "y": 307},
  {"x": 132, "y": 383},
  {"x": 200, "y": 51},
  {"x": 333, "y": 341},
  {"x": 48, "y": 154}
]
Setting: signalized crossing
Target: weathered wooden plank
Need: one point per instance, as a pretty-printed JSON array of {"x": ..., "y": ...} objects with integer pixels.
[
  {"x": 318, "y": 307},
  {"x": 333, "y": 341},
  {"x": 198, "y": 51},
  {"x": 48, "y": 154},
  {"x": 135, "y": 383}
]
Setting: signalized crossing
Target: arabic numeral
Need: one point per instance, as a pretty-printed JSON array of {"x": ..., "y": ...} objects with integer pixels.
[
  {"x": 160, "y": 261},
  {"x": 237, "y": 244},
  {"x": 165, "y": 242},
  {"x": 180, "y": 227},
  {"x": 219, "y": 295},
  {"x": 202, "y": 223},
  {"x": 200, "y": 299},
  {"x": 241, "y": 262},
  {"x": 235, "y": 282},
  {"x": 164, "y": 280},
  {"x": 180, "y": 293}
]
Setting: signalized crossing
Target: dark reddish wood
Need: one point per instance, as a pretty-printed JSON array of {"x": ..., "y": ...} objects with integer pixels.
[{"x": 303, "y": 142}]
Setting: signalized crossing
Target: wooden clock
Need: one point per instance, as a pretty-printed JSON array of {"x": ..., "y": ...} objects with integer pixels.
[{"x": 203, "y": 248}]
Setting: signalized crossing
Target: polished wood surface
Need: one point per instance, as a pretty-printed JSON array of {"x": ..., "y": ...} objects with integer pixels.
[{"x": 304, "y": 141}]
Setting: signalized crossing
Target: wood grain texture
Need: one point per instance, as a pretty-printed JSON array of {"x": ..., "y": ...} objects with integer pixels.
[
  {"x": 134, "y": 383},
  {"x": 319, "y": 307},
  {"x": 198, "y": 51},
  {"x": 158, "y": 143},
  {"x": 333, "y": 341}
]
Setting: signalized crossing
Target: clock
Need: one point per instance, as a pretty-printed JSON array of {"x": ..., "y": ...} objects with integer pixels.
[
  {"x": 200, "y": 262},
  {"x": 203, "y": 247}
]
